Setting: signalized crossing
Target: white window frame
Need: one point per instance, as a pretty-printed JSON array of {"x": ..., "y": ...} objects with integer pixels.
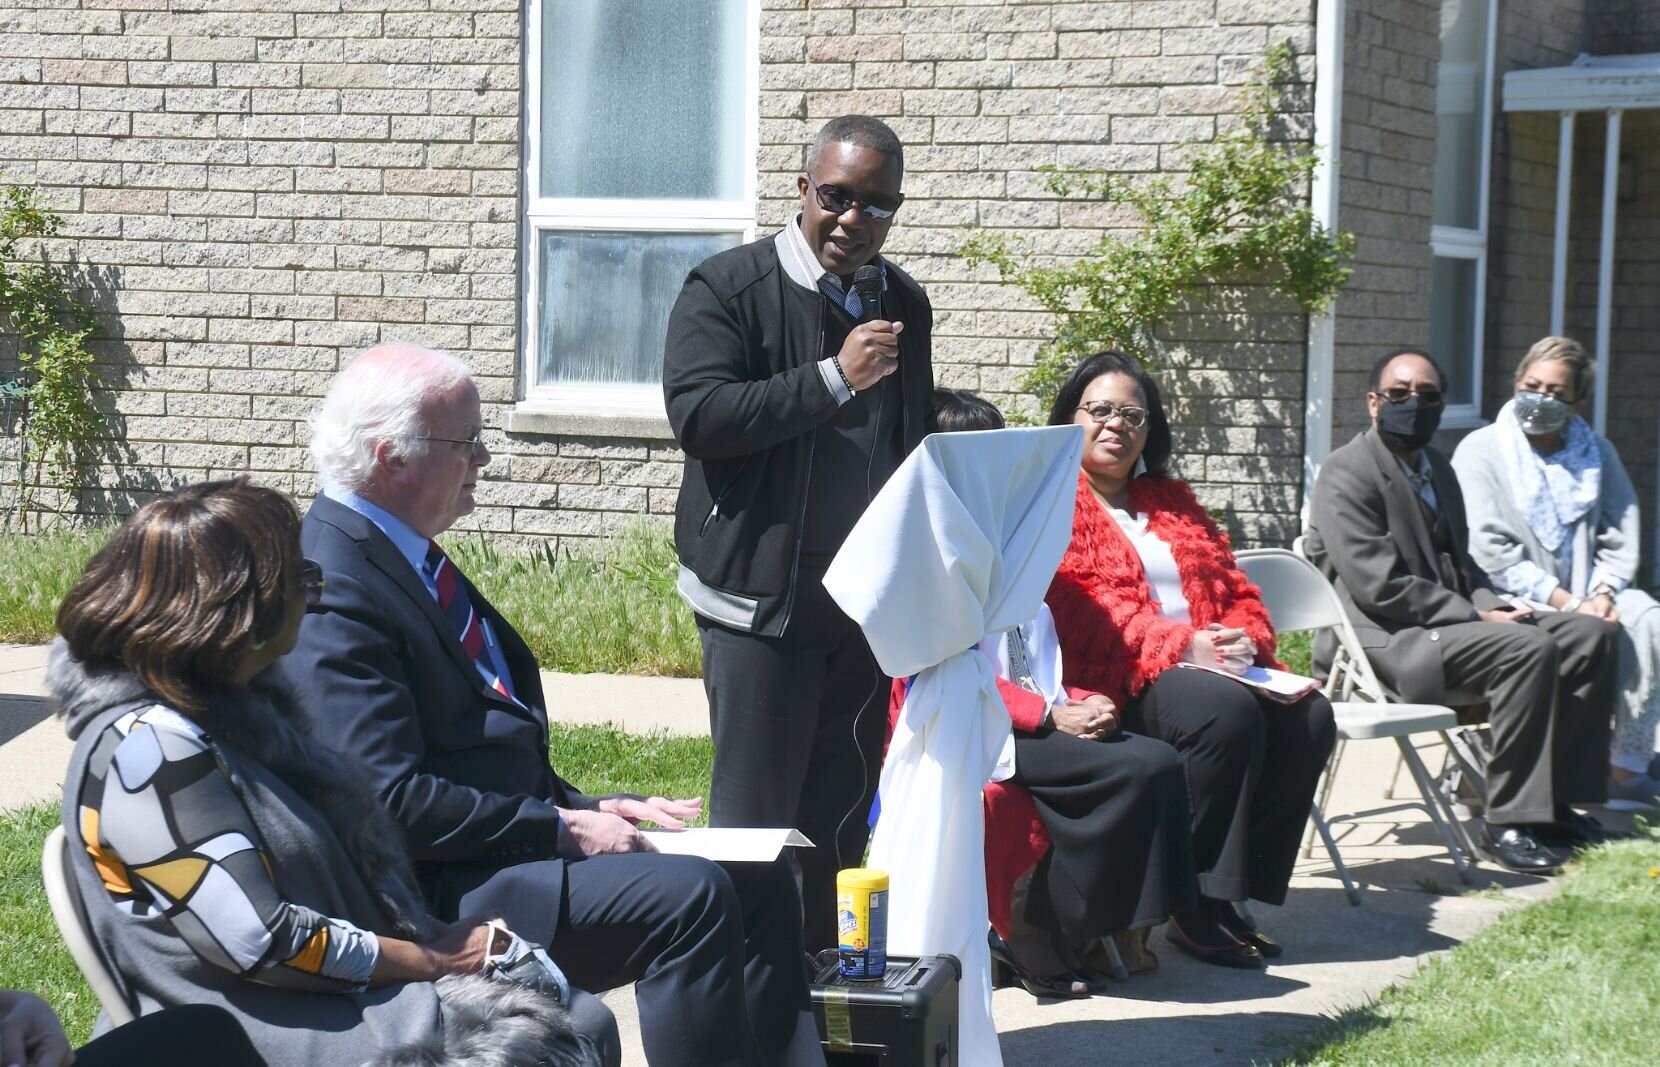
[
  {"x": 1456, "y": 242},
  {"x": 542, "y": 214}
]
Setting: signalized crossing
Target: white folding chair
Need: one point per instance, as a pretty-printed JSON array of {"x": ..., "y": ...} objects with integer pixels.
[
  {"x": 65, "y": 899},
  {"x": 1299, "y": 598}
]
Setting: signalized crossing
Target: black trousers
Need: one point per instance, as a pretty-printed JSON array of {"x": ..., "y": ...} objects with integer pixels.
[
  {"x": 798, "y": 723},
  {"x": 1549, "y": 684},
  {"x": 1117, "y": 815},
  {"x": 178, "y": 1035},
  {"x": 1252, "y": 765},
  {"x": 714, "y": 952}
]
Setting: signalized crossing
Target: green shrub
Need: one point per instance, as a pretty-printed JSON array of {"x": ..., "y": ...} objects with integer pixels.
[{"x": 614, "y": 610}]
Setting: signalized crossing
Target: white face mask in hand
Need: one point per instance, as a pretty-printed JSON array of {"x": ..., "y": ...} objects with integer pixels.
[{"x": 1541, "y": 413}]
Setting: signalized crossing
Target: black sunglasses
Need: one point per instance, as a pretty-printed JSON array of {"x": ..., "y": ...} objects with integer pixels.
[
  {"x": 311, "y": 583},
  {"x": 836, "y": 200},
  {"x": 1400, "y": 394}
]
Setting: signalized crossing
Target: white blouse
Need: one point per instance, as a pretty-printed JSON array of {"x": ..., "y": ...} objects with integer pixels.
[{"x": 1163, "y": 580}]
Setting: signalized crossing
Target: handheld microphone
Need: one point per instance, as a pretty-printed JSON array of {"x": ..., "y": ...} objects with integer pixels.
[{"x": 867, "y": 282}]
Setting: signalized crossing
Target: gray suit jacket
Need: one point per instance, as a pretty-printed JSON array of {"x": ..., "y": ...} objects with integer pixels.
[{"x": 1371, "y": 537}]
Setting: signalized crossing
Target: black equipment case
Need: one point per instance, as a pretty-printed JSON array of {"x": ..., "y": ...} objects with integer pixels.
[{"x": 906, "y": 1018}]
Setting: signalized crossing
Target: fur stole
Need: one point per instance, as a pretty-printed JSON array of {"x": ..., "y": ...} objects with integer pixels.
[
  {"x": 1113, "y": 638},
  {"x": 262, "y": 722},
  {"x": 494, "y": 1024}
]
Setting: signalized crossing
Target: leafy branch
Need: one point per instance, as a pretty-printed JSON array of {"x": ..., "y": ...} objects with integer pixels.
[
  {"x": 56, "y": 379},
  {"x": 1241, "y": 210}
]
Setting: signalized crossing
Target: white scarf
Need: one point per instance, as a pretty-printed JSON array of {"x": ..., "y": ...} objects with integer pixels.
[
  {"x": 961, "y": 543},
  {"x": 1554, "y": 491}
]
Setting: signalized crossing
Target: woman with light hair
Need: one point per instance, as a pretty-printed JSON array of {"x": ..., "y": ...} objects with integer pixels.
[{"x": 1553, "y": 519}]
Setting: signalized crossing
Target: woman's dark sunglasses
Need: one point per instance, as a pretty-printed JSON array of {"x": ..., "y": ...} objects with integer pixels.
[
  {"x": 311, "y": 583},
  {"x": 836, "y": 200}
]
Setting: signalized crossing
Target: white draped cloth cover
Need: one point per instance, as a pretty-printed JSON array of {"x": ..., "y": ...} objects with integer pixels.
[{"x": 959, "y": 545}]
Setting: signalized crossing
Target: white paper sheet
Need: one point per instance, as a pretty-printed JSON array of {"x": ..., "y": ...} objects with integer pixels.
[
  {"x": 728, "y": 844},
  {"x": 1283, "y": 686}
]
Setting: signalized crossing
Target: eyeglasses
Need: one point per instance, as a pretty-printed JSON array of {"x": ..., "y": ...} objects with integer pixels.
[
  {"x": 472, "y": 442},
  {"x": 311, "y": 582},
  {"x": 1134, "y": 417},
  {"x": 836, "y": 200},
  {"x": 1400, "y": 394}
]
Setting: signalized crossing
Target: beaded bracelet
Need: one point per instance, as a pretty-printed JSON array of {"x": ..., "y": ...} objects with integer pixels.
[{"x": 837, "y": 363}]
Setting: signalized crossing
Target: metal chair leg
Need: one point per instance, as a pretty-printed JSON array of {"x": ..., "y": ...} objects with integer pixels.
[
  {"x": 1336, "y": 857},
  {"x": 1431, "y": 795},
  {"x": 1394, "y": 779},
  {"x": 1478, "y": 782},
  {"x": 1322, "y": 793},
  {"x": 1115, "y": 960}
]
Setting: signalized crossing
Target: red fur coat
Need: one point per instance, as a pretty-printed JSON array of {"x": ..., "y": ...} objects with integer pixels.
[{"x": 1113, "y": 639}]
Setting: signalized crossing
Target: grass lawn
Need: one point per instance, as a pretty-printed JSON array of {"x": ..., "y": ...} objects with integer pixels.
[
  {"x": 595, "y": 759},
  {"x": 613, "y": 610},
  {"x": 1569, "y": 980},
  {"x": 39, "y": 570}
]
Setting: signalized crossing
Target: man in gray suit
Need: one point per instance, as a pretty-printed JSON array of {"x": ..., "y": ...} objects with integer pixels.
[{"x": 1387, "y": 527}]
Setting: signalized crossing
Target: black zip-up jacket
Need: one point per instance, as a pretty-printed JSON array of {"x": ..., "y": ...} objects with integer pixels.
[{"x": 745, "y": 396}]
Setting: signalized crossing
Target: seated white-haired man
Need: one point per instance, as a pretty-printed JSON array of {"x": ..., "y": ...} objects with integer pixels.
[{"x": 410, "y": 669}]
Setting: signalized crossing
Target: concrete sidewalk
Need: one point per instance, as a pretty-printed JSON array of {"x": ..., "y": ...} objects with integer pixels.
[{"x": 1189, "y": 1013}]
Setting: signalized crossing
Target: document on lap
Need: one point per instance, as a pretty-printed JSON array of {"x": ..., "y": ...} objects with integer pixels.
[
  {"x": 728, "y": 844},
  {"x": 1283, "y": 686}
]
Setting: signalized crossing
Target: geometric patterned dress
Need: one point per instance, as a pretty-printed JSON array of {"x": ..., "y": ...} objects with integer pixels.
[{"x": 168, "y": 834}]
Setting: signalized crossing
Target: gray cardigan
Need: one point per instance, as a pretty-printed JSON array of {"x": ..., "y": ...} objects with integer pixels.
[{"x": 1606, "y": 536}]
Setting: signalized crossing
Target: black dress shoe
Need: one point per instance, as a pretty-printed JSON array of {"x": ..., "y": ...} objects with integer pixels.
[
  {"x": 1583, "y": 830},
  {"x": 1240, "y": 927},
  {"x": 1008, "y": 971},
  {"x": 1518, "y": 848},
  {"x": 1211, "y": 942}
]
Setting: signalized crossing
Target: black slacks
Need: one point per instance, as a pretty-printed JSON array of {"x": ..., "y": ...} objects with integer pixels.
[
  {"x": 798, "y": 723},
  {"x": 714, "y": 952},
  {"x": 1117, "y": 815},
  {"x": 1252, "y": 765},
  {"x": 1549, "y": 684},
  {"x": 184, "y": 1034}
]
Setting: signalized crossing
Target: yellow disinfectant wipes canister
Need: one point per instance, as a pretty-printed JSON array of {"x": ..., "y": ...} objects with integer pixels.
[{"x": 862, "y": 922}]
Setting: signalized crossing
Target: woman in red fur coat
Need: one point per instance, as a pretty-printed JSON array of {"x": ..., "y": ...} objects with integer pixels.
[
  {"x": 1149, "y": 583},
  {"x": 1095, "y": 816}
]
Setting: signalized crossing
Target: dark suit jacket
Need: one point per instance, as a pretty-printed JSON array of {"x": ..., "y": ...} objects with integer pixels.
[
  {"x": 1369, "y": 533},
  {"x": 384, "y": 678}
]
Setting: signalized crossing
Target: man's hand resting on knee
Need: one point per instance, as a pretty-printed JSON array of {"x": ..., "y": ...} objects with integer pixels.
[{"x": 609, "y": 826}]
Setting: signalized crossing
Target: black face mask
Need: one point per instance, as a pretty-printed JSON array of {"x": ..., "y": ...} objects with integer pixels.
[{"x": 1407, "y": 426}]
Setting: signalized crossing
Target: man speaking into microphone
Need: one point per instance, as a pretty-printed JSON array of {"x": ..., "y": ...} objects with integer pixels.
[{"x": 797, "y": 376}]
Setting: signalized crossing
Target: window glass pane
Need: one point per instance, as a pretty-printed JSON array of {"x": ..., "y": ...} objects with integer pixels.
[
  {"x": 643, "y": 99},
  {"x": 604, "y": 302},
  {"x": 1460, "y": 109},
  {"x": 1452, "y": 324}
]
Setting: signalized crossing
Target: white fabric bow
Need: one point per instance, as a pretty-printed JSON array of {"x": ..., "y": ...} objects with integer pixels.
[{"x": 961, "y": 543}]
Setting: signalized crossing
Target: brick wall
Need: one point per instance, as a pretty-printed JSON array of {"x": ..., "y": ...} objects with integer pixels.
[
  {"x": 262, "y": 189},
  {"x": 1523, "y": 194},
  {"x": 1387, "y": 180},
  {"x": 985, "y": 94},
  {"x": 1544, "y": 33},
  {"x": 1634, "y": 340}
]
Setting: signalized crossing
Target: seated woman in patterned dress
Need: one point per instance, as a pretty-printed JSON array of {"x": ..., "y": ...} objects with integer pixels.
[{"x": 226, "y": 859}]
